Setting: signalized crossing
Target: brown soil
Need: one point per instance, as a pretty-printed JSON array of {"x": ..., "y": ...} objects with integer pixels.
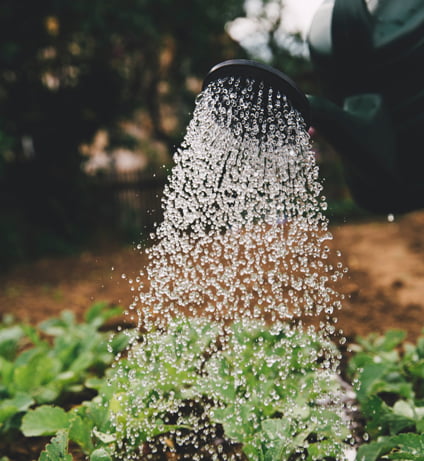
[{"x": 384, "y": 285}]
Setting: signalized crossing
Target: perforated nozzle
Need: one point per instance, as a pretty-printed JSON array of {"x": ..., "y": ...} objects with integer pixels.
[{"x": 271, "y": 78}]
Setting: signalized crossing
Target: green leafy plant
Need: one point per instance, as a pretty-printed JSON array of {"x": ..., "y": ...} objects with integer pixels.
[
  {"x": 83, "y": 425},
  {"x": 390, "y": 389},
  {"x": 57, "y": 450},
  {"x": 257, "y": 392},
  {"x": 44, "y": 364},
  {"x": 263, "y": 393},
  {"x": 265, "y": 389},
  {"x": 270, "y": 386}
]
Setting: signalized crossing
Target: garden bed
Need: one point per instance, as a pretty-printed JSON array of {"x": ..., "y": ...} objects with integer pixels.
[
  {"x": 384, "y": 288},
  {"x": 191, "y": 393}
]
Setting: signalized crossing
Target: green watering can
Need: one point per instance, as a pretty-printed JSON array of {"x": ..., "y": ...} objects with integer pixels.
[{"x": 369, "y": 56}]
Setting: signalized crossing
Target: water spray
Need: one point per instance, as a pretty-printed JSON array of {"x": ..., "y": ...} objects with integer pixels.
[{"x": 242, "y": 245}]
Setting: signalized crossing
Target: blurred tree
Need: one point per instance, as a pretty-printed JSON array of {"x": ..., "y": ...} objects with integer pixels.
[
  {"x": 262, "y": 31},
  {"x": 70, "y": 67}
]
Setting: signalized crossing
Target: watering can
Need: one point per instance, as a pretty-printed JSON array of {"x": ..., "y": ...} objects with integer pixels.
[{"x": 369, "y": 56}]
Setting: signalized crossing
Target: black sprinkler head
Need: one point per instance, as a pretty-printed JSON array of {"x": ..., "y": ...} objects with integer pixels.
[{"x": 271, "y": 78}]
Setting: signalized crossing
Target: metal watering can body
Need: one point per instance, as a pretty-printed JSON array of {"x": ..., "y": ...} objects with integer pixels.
[{"x": 369, "y": 57}]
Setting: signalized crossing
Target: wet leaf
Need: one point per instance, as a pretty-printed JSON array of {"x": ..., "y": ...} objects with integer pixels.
[
  {"x": 57, "y": 449},
  {"x": 100, "y": 455}
]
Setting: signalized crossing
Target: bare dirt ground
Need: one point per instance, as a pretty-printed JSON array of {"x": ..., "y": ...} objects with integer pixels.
[{"x": 384, "y": 285}]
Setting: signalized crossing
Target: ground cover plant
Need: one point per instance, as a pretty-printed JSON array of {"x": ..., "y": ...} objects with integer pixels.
[
  {"x": 256, "y": 388},
  {"x": 173, "y": 409},
  {"x": 50, "y": 364},
  {"x": 62, "y": 392},
  {"x": 390, "y": 389}
]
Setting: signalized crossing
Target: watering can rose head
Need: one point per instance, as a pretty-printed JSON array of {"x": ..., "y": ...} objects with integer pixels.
[{"x": 247, "y": 71}]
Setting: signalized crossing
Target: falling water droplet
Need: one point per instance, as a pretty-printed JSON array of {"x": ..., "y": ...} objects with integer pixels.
[{"x": 242, "y": 239}]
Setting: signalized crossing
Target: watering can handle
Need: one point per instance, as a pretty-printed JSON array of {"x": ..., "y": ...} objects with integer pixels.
[{"x": 351, "y": 32}]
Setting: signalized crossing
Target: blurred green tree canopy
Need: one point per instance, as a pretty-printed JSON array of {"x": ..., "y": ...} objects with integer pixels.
[{"x": 71, "y": 67}]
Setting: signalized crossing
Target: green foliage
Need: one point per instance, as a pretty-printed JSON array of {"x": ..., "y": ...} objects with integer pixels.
[
  {"x": 70, "y": 68},
  {"x": 57, "y": 450},
  {"x": 100, "y": 455},
  {"x": 58, "y": 357},
  {"x": 390, "y": 377},
  {"x": 280, "y": 376},
  {"x": 45, "y": 420},
  {"x": 264, "y": 386}
]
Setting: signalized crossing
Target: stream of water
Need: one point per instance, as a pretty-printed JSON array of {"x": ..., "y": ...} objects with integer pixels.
[{"x": 244, "y": 235}]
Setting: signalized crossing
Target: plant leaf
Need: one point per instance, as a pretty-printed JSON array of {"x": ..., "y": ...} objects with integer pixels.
[
  {"x": 391, "y": 340},
  {"x": 100, "y": 455},
  {"x": 100, "y": 312},
  {"x": 372, "y": 451},
  {"x": 45, "y": 420},
  {"x": 57, "y": 449},
  {"x": 80, "y": 432},
  {"x": 410, "y": 444},
  {"x": 9, "y": 339},
  {"x": 20, "y": 402}
]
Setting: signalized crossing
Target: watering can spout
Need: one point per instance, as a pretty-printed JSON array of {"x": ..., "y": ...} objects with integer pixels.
[{"x": 363, "y": 131}]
